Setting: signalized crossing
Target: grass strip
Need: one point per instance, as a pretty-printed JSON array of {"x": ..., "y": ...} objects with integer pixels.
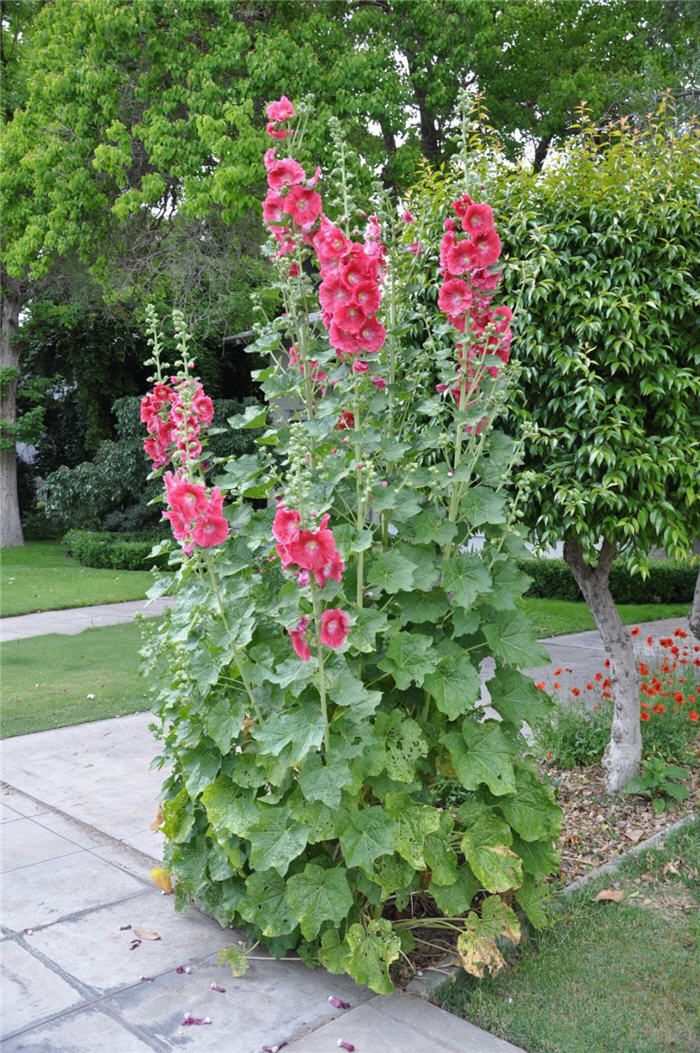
[
  {"x": 557, "y": 617},
  {"x": 46, "y": 680},
  {"x": 610, "y": 977},
  {"x": 41, "y": 577}
]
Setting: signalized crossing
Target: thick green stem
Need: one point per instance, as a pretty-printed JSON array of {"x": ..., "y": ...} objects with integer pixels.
[
  {"x": 316, "y": 600},
  {"x": 360, "y": 518}
]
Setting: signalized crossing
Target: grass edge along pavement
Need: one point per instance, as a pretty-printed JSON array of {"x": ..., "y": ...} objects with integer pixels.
[
  {"x": 41, "y": 576},
  {"x": 610, "y": 976}
]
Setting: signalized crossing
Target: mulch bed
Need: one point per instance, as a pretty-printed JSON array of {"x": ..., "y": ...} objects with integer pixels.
[{"x": 599, "y": 827}]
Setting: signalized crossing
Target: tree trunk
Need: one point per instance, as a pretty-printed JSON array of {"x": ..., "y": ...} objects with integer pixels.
[
  {"x": 624, "y": 751},
  {"x": 10, "y": 526},
  {"x": 694, "y": 614},
  {"x": 541, "y": 152}
]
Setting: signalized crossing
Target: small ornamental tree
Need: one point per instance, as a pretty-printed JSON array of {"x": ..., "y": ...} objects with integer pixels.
[
  {"x": 604, "y": 253},
  {"x": 319, "y": 683}
]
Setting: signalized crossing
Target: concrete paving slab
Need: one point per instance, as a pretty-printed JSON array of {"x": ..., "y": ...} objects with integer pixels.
[
  {"x": 86, "y": 1031},
  {"x": 75, "y": 619},
  {"x": 24, "y": 842},
  {"x": 401, "y": 1024},
  {"x": 274, "y": 1002},
  {"x": 31, "y": 991},
  {"x": 19, "y": 802},
  {"x": 95, "y": 948},
  {"x": 96, "y": 773},
  {"x": 7, "y": 814},
  {"x": 62, "y": 887}
]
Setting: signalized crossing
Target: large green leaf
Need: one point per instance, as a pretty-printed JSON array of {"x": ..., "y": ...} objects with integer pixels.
[
  {"x": 477, "y": 945},
  {"x": 482, "y": 754},
  {"x": 266, "y": 904},
  {"x": 455, "y": 685},
  {"x": 516, "y": 699},
  {"x": 324, "y": 782},
  {"x": 422, "y": 606},
  {"x": 430, "y": 525},
  {"x": 512, "y": 640},
  {"x": 404, "y": 744},
  {"x": 455, "y": 898},
  {"x": 223, "y": 722},
  {"x": 317, "y": 895},
  {"x": 372, "y": 950},
  {"x": 540, "y": 858},
  {"x": 303, "y": 727},
  {"x": 346, "y": 690},
  {"x": 229, "y": 808},
  {"x": 276, "y": 840},
  {"x": 367, "y": 834},
  {"x": 509, "y": 581},
  {"x": 440, "y": 859},
  {"x": 486, "y": 849},
  {"x": 368, "y": 622},
  {"x": 199, "y": 768},
  {"x": 537, "y": 901},
  {"x": 408, "y": 658},
  {"x": 391, "y": 572},
  {"x": 416, "y": 822},
  {"x": 178, "y": 817},
  {"x": 482, "y": 505},
  {"x": 465, "y": 577}
]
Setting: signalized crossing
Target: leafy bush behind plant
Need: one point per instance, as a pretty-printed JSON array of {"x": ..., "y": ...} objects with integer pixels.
[
  {"x": 95, "y": 548},
  {"x": 668, "y": 581}
]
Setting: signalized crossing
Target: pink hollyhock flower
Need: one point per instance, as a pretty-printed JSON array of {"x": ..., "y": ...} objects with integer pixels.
[
  {"x": 345, "y": 420},
  {"x": 333, "y": 569},
  {"x": 458, "y": 258},
  {"x": 501, "y": 317},
  {"x": 449, "y": 224},
  {"x": 299, "y": 643},
  {"x": 190, "y": 499},
  {"x": 478, "y": 218},
  {"x": 190, "y": 449},
  {"x": 342, "y": 340},
  {"x": 447, "y": 242},
  {"x": 357, "y": 270},
  {"x": 286, "y": 172},
  {"x": 372, "y": 335},
  {"x": 294, "y": 270},
  {"x": 334, "y": 627},
  {"x": 416, "y": 248},
  {"x": 302, "y": 204},
  {"x": 269, "y": 159},
  {"x": 462, "y": 204},
  {"x": 273, "y": 208},
  {"x": 329, "y": 241},
  {"x": 350, "y": 317},
  {"x": 157, "y": 452},
  {"x": 312, "y": 549},
  {"x": 332, "y": 293},
  {"x": 281, "y": 110},
  {"x": 359, "y": 366},
  {"x": 203, "y": 406},
  {"x": 165, "y": 431},
  {"x": 211, "y": 529},
  {"x": 485, "y": 248},
  {"x": 483, "y": 279},
  {"x": 285, "y": 525},
  {"x": 454, "y": 298},
  {"x": 275, "y": 133},
  {"x": 367, "y": 296},
  {"x": 179, "y": 523},
  {"x": 408, "y": 217},
  {"x": 379, "y": 382},
  {"x": 284, "y": 555}
]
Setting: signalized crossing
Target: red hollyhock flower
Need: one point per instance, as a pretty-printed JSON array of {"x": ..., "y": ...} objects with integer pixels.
[
  {"x": 211, "y": 529},
  {"x": 189, "y": 499},
  {"x": 302, "y": 204},
  {"x": 285, "y": 172},
  {"x": 455, "y": 297},
  {"x": 485, "y": 248},
  {"x": 371, "y": 335},
  {"x": 478, "y": 218},
  {"x": 299, "y": 642},
  {"x": 334, "y": 627},
  {"x": 312, "y": 550},
  {"x": 458, "y": 257}
]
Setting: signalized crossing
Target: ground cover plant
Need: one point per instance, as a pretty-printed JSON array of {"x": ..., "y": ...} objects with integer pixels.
[
  {"x": 613, "y": 976},
  {"x": 319, "y": 677},
  {"x": 41, "y": 576},
  {"x": 552, "y": 617},
  {"x": 51, "y": 681}
]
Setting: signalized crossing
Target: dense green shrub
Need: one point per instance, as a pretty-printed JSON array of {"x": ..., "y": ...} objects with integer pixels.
[
  {"x": 668, "y": 581},
  {"x": 114, "y": 551}
]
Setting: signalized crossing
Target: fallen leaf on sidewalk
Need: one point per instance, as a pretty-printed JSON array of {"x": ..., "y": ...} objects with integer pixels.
[
  {"x": 147, "y": 934},
  {"x": 614, "y": 895},
  {"x": 161, "y": 877}
]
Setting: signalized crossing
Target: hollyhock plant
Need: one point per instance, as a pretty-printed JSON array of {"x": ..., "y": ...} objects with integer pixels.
[{"x": 318, "y": 686}]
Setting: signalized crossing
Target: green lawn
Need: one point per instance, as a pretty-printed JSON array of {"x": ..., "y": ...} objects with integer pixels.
[
  {"x": 557, "y": 617},
  {"x": 610, "y": 977},
  {"x": 41, "y": 577},
  {"x": 46, "y": 680}
]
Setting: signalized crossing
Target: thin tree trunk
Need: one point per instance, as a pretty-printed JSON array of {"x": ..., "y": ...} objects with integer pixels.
[
  {"x": 694, "y": 614},
  {"x": 10, "y": 526},
  {"x": 624, "y": 751}
]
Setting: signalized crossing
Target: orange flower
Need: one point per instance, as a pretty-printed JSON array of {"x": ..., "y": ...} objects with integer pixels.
[
  {"x": 557, "y": 685},
  {"x": 659, "y": 708},
  {"x": 575, "y": 692},
  {"x": 644, "y": 716},
  {"x": 679, "y": 698},
  {"x": 558, "y": 672},
  {"x": 643, "y": 669},
  {"x": 599, "y": 677},
  {"x": 606, "y": 663},
  {"x": 693, "y": 716},
  {"x": 650, "y": 641},
  {"x": 636, "y": 631},
  {"x": 589, "y": 687},
  {"x": 540, "y": 686}
]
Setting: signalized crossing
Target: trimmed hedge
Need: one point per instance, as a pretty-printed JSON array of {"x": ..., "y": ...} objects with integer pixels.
[
  {"x": 668, "y": 581},
  {"x": 95, "y": 548}
]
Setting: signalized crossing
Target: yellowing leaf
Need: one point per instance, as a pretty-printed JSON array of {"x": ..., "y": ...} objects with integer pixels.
[{"x": 161, "y": 877}]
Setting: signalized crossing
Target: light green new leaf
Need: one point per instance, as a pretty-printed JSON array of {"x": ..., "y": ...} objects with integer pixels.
[
  {"x": 486, "y": 849},
  {"x": 318, "y": 895},
  {"x": 228, "y": 808},
  {"x": 366, "y": 835}
]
